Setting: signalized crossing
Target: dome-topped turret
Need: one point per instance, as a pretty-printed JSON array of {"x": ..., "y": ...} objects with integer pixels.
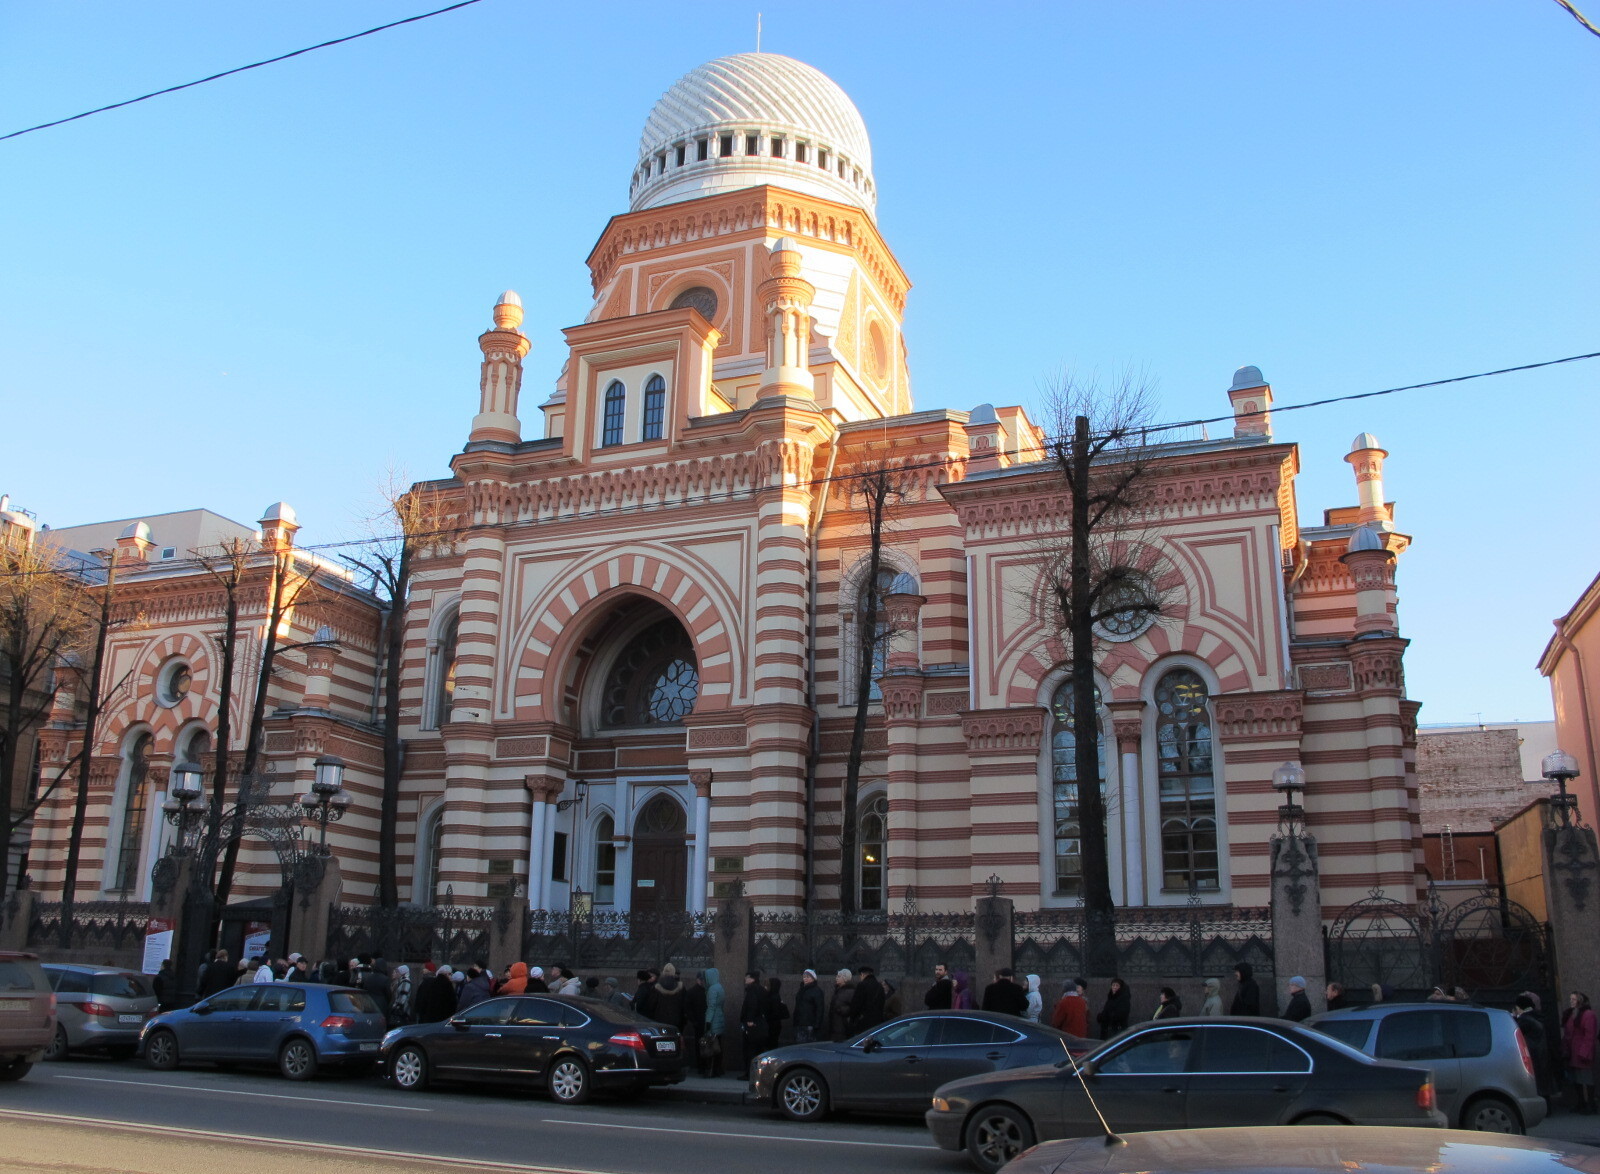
[{"x": 751, "y": 119}]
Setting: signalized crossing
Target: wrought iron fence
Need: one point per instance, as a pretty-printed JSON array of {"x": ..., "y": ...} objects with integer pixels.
[
  {"x": 441, "y": 933},
  {"x": 908, "y": 942},
  {"x": 1152, "y": 942},
  {"x": 619, "y": 941},
  {"x": 96, "y": 925}
]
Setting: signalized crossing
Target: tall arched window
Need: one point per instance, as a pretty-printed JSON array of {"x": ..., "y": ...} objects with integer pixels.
[
  {"x": 1186, "y": 783},
  {"x": 444, "y": 685},
  {"x": 605, "y": 861},
  {"x": 874, "y": 842},
  {"x": 655, "y": 407},
  {"x": 131, "y": 844},
  {"x": 616, "y": 403},
  {"x": 1064, "y": 788},
  {"x": 875, "y": 643},
  {"x": 654, "y": 680}
]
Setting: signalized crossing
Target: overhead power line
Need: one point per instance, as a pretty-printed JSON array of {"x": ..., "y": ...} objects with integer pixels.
[
  {"x": 240, "y": 69},
  {"x": 742, "y": 494},
  {"x": 1578, "y": 16}
]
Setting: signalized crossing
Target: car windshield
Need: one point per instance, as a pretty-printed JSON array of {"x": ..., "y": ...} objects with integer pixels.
[
  {"x": 352, "y": 1003},
  {"x": 121, "y": 986},
  {"x": 17, "y": 976}
]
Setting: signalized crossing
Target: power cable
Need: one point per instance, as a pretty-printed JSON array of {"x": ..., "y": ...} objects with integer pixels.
[
  {"x": 1578, "y": 16},
  {"x": 241, "y": 69},
  {"x": 744, "y": 494}
]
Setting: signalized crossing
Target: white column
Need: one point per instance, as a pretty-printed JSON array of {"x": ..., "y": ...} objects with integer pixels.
[
  {"x": 155, "y": 826},
  {"x": 700, "y": 858},
  {"x": 538, "y": 860},
  {"x": 1133, "y": 829},
  {"x": 547, "y": 886}
]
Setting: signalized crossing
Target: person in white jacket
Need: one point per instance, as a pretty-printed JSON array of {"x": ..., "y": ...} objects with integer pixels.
[{"x": 1035, "y": 999}]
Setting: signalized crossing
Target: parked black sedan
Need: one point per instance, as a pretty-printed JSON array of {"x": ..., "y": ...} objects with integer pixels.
[
  {"x": 894, "y": 1067},
  {"x": 566, "y": 1046},
  {"x": 1180, "y": 1073}
]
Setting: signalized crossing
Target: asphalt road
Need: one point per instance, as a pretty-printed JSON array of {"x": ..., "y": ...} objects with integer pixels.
[{"x": 353, "y": 1115}]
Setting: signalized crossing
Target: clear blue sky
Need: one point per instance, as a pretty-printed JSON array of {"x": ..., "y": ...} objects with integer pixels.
[{"x": 271, "y": 286}]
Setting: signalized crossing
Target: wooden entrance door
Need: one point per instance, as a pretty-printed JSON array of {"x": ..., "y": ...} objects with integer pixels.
[{"x": 660, "y": 855}]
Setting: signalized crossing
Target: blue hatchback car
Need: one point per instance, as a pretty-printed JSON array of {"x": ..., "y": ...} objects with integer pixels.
[{"x": 300, "y": 1027}]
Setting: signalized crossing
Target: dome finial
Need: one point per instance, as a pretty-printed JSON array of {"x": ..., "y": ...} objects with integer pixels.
[{"x": 508, "y": 311}]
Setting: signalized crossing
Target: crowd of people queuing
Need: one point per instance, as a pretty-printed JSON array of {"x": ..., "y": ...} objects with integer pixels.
[{"x": 762, "y": 1017}]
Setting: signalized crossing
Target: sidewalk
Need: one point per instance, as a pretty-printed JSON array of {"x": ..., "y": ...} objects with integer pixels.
[{"x": 725, "y": 1090}]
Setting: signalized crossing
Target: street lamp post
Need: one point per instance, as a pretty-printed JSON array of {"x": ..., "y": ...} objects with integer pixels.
[
  {"x": 1289, "y": 780},
  {"x": 327, "y": 800},
  {"x": 184, "y": 803},
  {"x": 1562, "y": 767}
]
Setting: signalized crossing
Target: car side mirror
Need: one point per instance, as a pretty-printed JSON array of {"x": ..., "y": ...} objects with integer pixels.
[
  {"x": 203, "y": 1009},
  {"x": 459, "y": 1024},
  {"x": 871, "y": 1045}
]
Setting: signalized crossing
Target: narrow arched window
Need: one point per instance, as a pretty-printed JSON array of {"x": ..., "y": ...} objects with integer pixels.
[
  {"x": 445, "y": 662},
  {"x": 874, "y": 840},
  {"x": 1186, "y": 784},
  {"x": 131, "y": 845},
  {"x": 615, "y": 405},
  {"x": 433, "y": 859},
  {"x": 1064, "y": 788},
  {"x": 605, "y": 861},
  {"x": 655, "y": 407}
]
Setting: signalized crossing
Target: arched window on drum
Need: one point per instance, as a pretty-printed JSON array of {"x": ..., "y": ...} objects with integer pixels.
[{"x": 1186, "y": 784}]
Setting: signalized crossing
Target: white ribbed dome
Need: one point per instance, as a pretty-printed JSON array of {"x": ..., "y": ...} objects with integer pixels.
[{"x": 808, "y": 135}]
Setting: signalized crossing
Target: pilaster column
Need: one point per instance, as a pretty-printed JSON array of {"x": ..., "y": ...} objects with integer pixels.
[
  {"x": 1127, "y": 729},
  {"x": 1003, "y": 752},
  {"x": 543, "y": 795},
  {"x": 700, "y": 869},
  {"x": 1256, "y": 732},
  {"x": 902, "y": 714},
  {"x": 787, "y": 297}
]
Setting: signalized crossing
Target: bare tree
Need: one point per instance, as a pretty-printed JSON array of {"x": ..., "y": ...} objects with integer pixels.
[
  {"x": 876, "y": 489},
  {"x": 1103, "y": 578},
  {"x": 412, "y": 523},
  {"x": 44, "y": 622},
  {"x": 229, "y": 566}
]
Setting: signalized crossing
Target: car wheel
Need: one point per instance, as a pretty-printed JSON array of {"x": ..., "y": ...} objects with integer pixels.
[
  {"x": 1491, "y": 1115},
  {"x": 15, "y": 1068},
  {"x": 297, "y": 1059},
  {"x": 409, "y": 1069},
  {"x": 995, "y": 1135},
  {"x": 161, "y": 1050},
  {"x": 802, "y": 1095},
  {"x": 58, "y": 1045},
  {"x": 568, "y": 1080},
  {"x": 1320, "y": 1119}
]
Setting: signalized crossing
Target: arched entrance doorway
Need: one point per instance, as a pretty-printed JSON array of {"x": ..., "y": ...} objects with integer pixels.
[{"x": 660, "y": 855}]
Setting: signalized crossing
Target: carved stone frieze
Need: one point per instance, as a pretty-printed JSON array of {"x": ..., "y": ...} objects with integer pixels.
[
  {"x": 1378, "y": 665},
  {"x": 520, "y": 747},
  {"x": 999, "y": 731},
  {"x": 716, "y": 737},
  {"x": 1245, "y": 717},
  {"x": 1326, "y": 678}
]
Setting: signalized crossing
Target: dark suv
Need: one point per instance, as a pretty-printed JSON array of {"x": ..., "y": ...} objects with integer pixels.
[
  {"x": 27, "y": 1014},
  {"x": 1482, "y": 1073}
]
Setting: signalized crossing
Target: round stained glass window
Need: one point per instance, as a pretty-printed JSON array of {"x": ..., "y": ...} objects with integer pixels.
[
  {"x": 697, "y": 297},
  {"x": 654, "y": 680},
  {"x": 674, "y": 692},
  {"x": 1129, "y": 608}
]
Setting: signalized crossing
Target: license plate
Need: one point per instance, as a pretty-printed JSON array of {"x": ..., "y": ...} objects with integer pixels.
[
  {"x": 369, "y": 1047},
  {"x": 15, "y": 1004},
  {"x": 130, "y": 1018},
  {"x": 666, "y": 1045}
]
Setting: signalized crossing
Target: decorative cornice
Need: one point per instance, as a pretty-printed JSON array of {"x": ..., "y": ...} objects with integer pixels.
[
  {"x": 1379, "y": 665},
  {"x": 1000, "y": 731},
  {"x": 1258, "y": 717}
]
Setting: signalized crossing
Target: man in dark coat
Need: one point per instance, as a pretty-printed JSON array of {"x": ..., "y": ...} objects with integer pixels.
[
  {"x": 1247, "y": 999},
  {"x": 844, "y": 991},
  {"x": 810, "y": 1010},
  {"x": 219, "y": 976},
  {"x": 1299, "y": 1008},
  {"x": 941, "y": 995},
  {"x": 752, "y": 1020},
  {"x": 1538, "y": 1041},
  {"x": 435, "y": 999},
  {"x": 644, "y": 996},
  {"x": 866, "y": 1006},
  {"x": 1004, "y": 995},
  {"x": 669, "y": 1004}
]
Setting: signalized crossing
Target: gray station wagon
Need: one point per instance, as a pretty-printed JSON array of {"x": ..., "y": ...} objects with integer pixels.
[
  {"x": 98, "y": 1008},
  {"x": 1482, "y": 1073}
]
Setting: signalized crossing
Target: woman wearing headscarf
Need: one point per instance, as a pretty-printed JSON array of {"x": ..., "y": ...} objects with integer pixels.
[
  {"x": 1213, "y": 1003},
  {"x": 963, "y": 991},
  {"x": 1168, "y": 1006},
  {"x": 1113, "y": 1017},
  {"x": 716, "y": 1024},
  {"x": 1578, "y": 1028},
  {"x": 1035, "y": 1000}
]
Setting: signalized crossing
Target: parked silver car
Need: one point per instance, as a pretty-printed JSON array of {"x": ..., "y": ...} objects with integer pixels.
[
  {"x": 1483, "y": 1075},
  {"x": 98, "y": 1008}
]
